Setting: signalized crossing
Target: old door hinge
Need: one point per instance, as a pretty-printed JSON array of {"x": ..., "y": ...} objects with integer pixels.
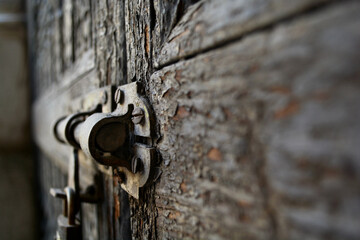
[{"x": 122, "y": 138}]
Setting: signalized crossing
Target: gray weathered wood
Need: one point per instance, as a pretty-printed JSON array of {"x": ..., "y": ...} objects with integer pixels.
[
  {"x": 167, "y": 16},
  {"x": 138, "y": 40},
  {"x": 109, "y": 39},
  {"x": 209, "y": 24},
  {"x": 76, "y": 47},
  {"x": 256, "y": 138}
]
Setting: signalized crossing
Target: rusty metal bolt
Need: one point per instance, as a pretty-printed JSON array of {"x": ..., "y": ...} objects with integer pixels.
[
  {"x": 136, "y": 165},
  {"x": 137, "y": 116},
  {"x": 119, "y": 95}
]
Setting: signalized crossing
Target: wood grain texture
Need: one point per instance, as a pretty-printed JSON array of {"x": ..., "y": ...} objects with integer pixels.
[
  {"x": 209, "y": 24},
  {"x": 82, "y": 27},
  {"x": 256, "y": 138},
  {"x": 109, "y": 37},
  {"x": 138, "y": 35},
  {"x": 165, "y": 16},
  {"x": 77, "y": 47},
  {"x": 58, "y": 40},
  {"x": 147, "y": 26},
  {"x": 256, "y": 128}
]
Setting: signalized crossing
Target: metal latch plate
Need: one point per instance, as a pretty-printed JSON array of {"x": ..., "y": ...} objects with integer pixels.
[{"x": 126, "y": 96}]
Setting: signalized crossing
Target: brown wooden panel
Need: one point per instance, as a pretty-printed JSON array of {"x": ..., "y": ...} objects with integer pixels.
[
  {"x": 255, "y": 136},
  {"x": 59, "y": 53},
  {"x": 82, "y": 27},
  {"x": 76, "y": 47},
  {"x": 109, "y": 37},
  {"x": 208, "y": 24},
  {"x": 147, "y": 26},
  {"x": 164, "y": 17},
  {"x": 256, "y": 142},
  {"x": 138, "y": 39}
]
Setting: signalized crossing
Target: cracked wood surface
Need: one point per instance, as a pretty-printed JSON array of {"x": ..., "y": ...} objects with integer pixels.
[
  {"x": 256, "y": 138},
  {"x": 254, "y": 131},
  {"x": 210, "y": 24}
]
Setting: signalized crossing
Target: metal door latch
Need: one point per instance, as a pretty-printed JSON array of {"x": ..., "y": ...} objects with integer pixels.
[{"x": 121, "y": 138}]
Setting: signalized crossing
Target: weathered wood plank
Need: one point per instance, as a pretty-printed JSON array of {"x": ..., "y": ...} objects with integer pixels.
[
  {"x": 82, "y": 27},
  {"x": 57, "y": 53},
  {"x": 138, "y": 40},
  {"x": 45, "y": 44},
  {"x": 256, "y": 139},
  {"x": 67, "y": 33},
  {"x": 110, "y": 41},
  {"x": 211, "y": 23},
  {"x": 77, "y": 46},
  {"x": 164, "y": 17},
  {"x": 147, "y": 26}
]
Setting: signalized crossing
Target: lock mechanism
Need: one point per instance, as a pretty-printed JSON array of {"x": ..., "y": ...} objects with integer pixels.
[{"x": 121, "y": 138}]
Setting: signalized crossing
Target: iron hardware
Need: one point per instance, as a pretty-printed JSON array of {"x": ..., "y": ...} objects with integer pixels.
[
  {"x": 69, "y": 228},
  {"x": 121, "y": 138}
]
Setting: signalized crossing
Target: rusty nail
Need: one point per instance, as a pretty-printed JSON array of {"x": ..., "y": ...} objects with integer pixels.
[
  {"x": 104, "y": 97},
  {"x": 136, "y": 165},
  {"x": 118, "y": 95},
  {"x": 137, "y": 116}
]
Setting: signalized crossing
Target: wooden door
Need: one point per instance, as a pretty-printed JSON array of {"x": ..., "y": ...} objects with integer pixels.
[{"x": 252, "y": 101}]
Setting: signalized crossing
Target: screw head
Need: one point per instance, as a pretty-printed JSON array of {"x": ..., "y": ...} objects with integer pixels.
[
  {"x": 119, "y": 95},
  {"x": 137, "y": 116}
]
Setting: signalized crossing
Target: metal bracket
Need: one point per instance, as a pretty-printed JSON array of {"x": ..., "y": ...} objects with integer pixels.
[{"x": 122, "y": 138}]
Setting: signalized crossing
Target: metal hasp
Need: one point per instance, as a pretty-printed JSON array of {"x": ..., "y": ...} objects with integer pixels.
[
  {"x": 121, "y": 139},
  {"x": 69, "y": 227}
]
